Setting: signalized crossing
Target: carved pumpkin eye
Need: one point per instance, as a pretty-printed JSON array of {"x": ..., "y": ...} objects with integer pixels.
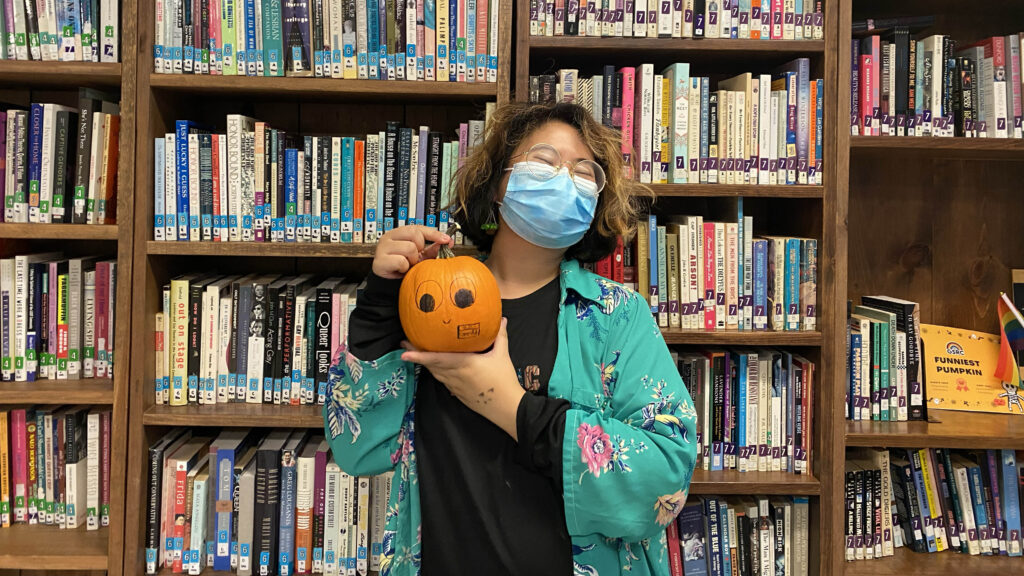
[
  {"x": 463, "y": 292},
  {"x": 428, "y": 296}
]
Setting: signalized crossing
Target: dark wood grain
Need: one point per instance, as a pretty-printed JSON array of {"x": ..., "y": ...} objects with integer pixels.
[
  {"x": 91, "y": 391},
  {"x": 944, "y": 429},
  {"x": 15, "y": 73},
  {"x": 58, "y": 231},
  {"x": 735, "y": 191},
  {"x": 727, "y": 482},
  {"x": 235, "y": 415},
  {"x": 904, "y": 563},
  {"x": 323, "y": 88},
  {"x": 684, "y": 47},
  {"x": 986, "y": 148},
  {"x": 268, "y": 249},
  {"x": 741, "y": 338},
  {"x": 35, "y": 547}
]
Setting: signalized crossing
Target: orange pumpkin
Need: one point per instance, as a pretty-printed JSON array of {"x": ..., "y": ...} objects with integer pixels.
[{"x": 450, "y": 304}]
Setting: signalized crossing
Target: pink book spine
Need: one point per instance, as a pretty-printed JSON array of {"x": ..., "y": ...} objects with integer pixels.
[
  {"x": 463, "y": 142},
  {"x": 777, "y": 12},
  {"x": 481, "y": 38},
  {"x": 215, "y": 165},
  {"x": 105, "y": 468},
  {"x": 628, "y": 94},
  {"x": 709, "y": 276},
  {"x": 259, "y": 150},
  {"x": 421, "y": 42},
  {"x": 867, "y": 81},
  {"x": 51, "y": 328},
  {"x": 216, "y": 55},
  {"x": 336, "y": 322},
  {"x": 102, "y": 305},
  {"x": 1015, "y": 80},
  {"x": 20, "y": 469},
  {"x": 461, "y": 70}
]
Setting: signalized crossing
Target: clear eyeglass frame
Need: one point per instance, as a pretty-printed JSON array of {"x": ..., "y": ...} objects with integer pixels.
[{"x": 544, "y": 162}]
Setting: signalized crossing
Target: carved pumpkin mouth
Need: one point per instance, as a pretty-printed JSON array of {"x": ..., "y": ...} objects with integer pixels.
[{"x": 446, "y": 322}]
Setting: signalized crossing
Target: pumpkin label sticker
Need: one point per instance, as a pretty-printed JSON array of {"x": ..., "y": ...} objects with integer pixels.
[{"x": 469, "y": 330}]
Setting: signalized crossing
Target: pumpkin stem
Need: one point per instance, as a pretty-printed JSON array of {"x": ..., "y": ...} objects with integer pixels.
[{"x": 445, "y": 251}]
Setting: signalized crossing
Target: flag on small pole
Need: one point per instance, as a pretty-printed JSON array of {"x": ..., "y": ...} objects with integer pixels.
[{"x": 1011, "y": 328}]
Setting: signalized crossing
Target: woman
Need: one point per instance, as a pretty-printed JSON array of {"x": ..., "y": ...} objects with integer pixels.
[{"x": 568, "y": 446}]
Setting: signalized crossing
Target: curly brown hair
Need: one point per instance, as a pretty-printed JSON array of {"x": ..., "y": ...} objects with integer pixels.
[{"x": 475, "y": 186}]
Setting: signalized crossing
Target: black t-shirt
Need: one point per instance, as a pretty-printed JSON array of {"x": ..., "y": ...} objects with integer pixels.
[{"x": 489, "y": 505}]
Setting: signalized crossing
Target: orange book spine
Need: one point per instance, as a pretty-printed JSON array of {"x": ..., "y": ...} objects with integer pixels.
[
  {"x": 358, "y": 192},
  {"x": 109, "y": 191}
]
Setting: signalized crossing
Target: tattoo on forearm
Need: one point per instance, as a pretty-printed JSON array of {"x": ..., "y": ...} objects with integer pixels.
[{"x": 485, "y": 397}]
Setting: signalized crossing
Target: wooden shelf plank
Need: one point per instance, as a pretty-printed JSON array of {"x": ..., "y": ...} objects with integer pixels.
[
  {"x": 323, "y": 88},
  {"x": 905, "y": 562},
  {"x": 238, "y": 415},
  {"x": 26, "y": 74},
  {"x": 271, "y": 249},
  {"x": 24, "y": 547},
  {"x": 745, "y": 338},
  {"x": 683, "y": 47},
  {"x": 733, "y": 482},
  {"x": 92, "y": 391},
  {"x": 58, "y": 231},
  {"x": 735, "y": 190},
  {"x": 944, "y": 429},
  {"x": 987, "y": 148}
]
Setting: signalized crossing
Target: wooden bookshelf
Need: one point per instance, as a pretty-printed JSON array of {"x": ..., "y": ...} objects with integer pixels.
[
  {"x": 61, "y": 75},
  {"x": 735, "y": 191},
  {"x": 58, "y": 231},
  {"x": 943, "y": 429},
  {"x": 741, "y": 338},
  {"x": 48, "y": 547},
  {"x": 271, "y": 249},
  {"x": 89, "y": 391},
  {"x": 36, "y": 547},
  {"x": 729, "y": 482},
  {"x": 928, "y": 220},
  {"x": 236, "y": 416},
  {"x": 905, "y": 562}
]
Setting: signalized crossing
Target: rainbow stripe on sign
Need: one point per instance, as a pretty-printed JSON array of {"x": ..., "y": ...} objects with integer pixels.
[{"x": 1011, "y": 340}]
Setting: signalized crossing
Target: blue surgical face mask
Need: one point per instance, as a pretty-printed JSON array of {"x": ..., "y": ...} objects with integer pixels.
[{"x": 550, "y": 213}]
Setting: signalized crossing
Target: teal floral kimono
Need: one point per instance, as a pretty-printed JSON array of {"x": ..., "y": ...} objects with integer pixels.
[{"x": 629, "y": 445}]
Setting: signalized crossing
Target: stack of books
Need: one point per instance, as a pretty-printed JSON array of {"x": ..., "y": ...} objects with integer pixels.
[
  {"x": 761, "y": 129},
  {"x": 259, "y": 502},
  {"x": 59, "y": 471},
  {"x": 59, "y": 163},
  {"x": 753, "y": 409},
  {"x": 58, "y": 317},
  {"x": 740, "y": 535},
  {"x": 61, "y": 30},
  {"x": 259, "y": 339},
  {"x": 256, "y": 183},
  {"x": 744, "y": 19},
  {"x": 443, "y": 41},
  {"x": 933, "y": 87},
  {"x": 708, "y": 275},
  {"x": 885, "y": 367},
  {"x": 932, "y": 500}
]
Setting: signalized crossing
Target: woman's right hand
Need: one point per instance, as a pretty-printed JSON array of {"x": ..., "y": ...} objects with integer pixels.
[{"x": 401, "y": 248}]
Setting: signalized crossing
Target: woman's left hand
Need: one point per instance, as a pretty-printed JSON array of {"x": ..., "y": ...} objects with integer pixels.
[{"x": 484, "y": 382}]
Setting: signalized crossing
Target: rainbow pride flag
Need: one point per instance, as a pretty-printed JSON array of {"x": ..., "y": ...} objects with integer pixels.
[{"x": 1011, "y": 330}]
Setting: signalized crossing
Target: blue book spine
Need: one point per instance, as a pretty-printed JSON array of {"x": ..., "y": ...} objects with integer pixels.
[
  {"x": 713, "y": 529},
  {"x": 291, "y": 191},
  {"x": 723, "y": 516},
  {"x": 922, "y": 497},
  {"x": 421, "y": 175},
  {"x": 250, "y": 38},
  {"x": 819, "y": 119},
  {"x": 760, "y": 284},
  {"x": 182, "y": 129},
  {"x": 72, "y": 28},
  {"x": 158, "y": 186},
  {"x": 978, "y": 501},
  {"x": 382, "y": 45},
  {"x": 372, "y": 39},
  {"x": 347, "y": 181},
  {"x": 286, "y": 533},
  {"x": 740, "y": 360},
  {"x": 1011, "y": 502},
  {"x": 225, "y": 488},
  {"x": 653, "y": 261},
  {"x": 705, "y": 96},
  {"x": 792, "y": 284},
  {"x": 35, "y": 159},
  {"x": 692, "y": 539}
]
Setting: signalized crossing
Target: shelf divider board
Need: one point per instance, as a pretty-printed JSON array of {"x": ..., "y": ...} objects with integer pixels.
[
  {"x": 683, "y": 47},
  {"x": 59, "y": 231},
  {"x": 735, "y": 191},
  {"x": 729, "y": 482},
  {"x": 236, "y": 415},
  {"x": 943, "y": 429},
  {"x": 22, "y": 73},
  {"x": 269, "y": 249},
  {"x": 987, "y": 148},
  {"x": 40, "y": 547},
  {"x": 314, "y": 88},
  {"x": 742, "y": 338},
  {"x": 949, "y": 563},
  {"x": 91, "y": 391}
]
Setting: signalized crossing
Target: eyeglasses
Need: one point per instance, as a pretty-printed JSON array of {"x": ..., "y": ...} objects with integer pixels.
[{"x": 544, "y": 162}]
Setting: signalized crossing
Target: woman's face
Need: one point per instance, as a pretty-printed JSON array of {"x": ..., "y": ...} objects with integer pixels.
[{"x": 562, "y": 136}]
